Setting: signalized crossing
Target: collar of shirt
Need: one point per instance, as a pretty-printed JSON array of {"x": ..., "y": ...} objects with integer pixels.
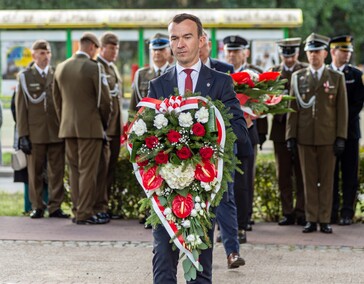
[
  {"x": 83, "y": 53},
  {"x": 319, "y": 71},
  {"x": 163, "y": 68},
  {"x": 286, "y": 68},
  {"x": 181, "y": 76},
  {"x": 103, "y": 59},
  {"x": 45, "y": 70},
  {"x": 334, "y": 67},
  {"x": 208, "y": 62},
  {"x": 240, "y": 69}
]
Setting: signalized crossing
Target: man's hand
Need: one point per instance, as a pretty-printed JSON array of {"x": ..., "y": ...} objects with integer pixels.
[
  {"x": 339, "y": 146},
  {"x": 262, "y": 139},
  {"x": 25, "y": 145},
  {"x": 292, "y": 146}
]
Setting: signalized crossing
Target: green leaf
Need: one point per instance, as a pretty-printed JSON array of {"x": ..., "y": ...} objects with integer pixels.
[
  {"x": 186, "y": 264},
  {"x": 162, "y": 200},
  {"x": 195, "y": 254}
]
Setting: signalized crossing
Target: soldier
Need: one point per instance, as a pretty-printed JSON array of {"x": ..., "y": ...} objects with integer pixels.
[
  {"x": 237, "y": 53},
  {"x": 341, "y": 50},
  {"x": 286, "y": 162},
  {"x": 83, "y": 106},
  {"x": 38, "y": 132},
  {"x": 108, "y": 54},
  {"x": 318, "y": 127},
  {"x": 160, "y": 52}
]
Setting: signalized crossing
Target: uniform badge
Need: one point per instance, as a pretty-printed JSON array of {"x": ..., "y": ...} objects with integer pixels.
[
  {"x": 104, "y": 80},
  {"x": 208, "y": 84}
]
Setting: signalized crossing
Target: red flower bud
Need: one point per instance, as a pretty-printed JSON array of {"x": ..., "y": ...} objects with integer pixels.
[
  {"x": 184, "y": 153},
  {"x": 173, "y": 136},
  {"x": 206, "y": 153},
  {"x": 198, "y": 129},
  {"x": 161, "y": 158},
  {"x": 151, "y": 141}
]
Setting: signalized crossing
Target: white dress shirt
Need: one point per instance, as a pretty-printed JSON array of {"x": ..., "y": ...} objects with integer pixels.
[{"x": 181, "y": 76}]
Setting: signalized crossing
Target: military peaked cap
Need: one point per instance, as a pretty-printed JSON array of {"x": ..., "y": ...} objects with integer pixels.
[
  {"x": 289, "y": 46},
  {"x": 235, "y": 42},
  {"x": 109, "y": 38},
  {"x": 316, "y": 42},
  {"x": 159, "y": 41},
  {"x": 91, "y": 37},
  {"x": 41, "y": 44},
  {"x": 343, "y": 42}
]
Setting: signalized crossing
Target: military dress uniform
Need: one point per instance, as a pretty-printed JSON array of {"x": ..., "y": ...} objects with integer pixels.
[
  {"x": 348, "y": 162},
  {"x": 318, "y": 124},
  {"x": 37, "y": 120},
  {"x": 287, "y": 164},
  {"x": 83, "y": 106},
  {"x": 111, "y": 150}
]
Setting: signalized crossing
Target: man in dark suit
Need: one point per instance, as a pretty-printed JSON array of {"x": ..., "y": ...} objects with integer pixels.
[
  {"x": 318, "y": 128},
  {"x": 185, "y": 39},
  {"x": 287, "y": 162},
  {"x": 341, "y": 50},
  {"x": 83, "y": 105},
  {"x": 38, "y": 128},
  {"x": 109, "y": 52}
]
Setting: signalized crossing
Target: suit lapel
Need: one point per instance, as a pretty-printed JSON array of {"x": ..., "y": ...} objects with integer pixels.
[{"x": 205, "y": 81}]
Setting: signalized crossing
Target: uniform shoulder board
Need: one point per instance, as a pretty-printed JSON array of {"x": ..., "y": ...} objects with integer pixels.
[{"x": 93, "y": 60}]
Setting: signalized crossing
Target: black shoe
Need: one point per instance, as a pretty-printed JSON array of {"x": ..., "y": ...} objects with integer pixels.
[
  {"x": 310, "y": 227},
  {"x": 218, "y": 237},
  {"x": 242, "y": 237},
  {"x": 325, "y": 228},
  {"x": 37, "y": 213},
  {"x": 59, "y": 214},
  {"x": 248, "y": 227},
  {"x": 345, "y": 221},
  {"x": 93, "y": 220},
  {"x": 103, "y": 216},
  {"x": 234, "y": 260},
  {"x": 301, "y": 221},
  {"x": 286, "y": 220}
]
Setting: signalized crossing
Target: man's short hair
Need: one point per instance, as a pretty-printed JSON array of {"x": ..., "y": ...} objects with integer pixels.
[
  {"x": 41, "y": 44},
  {"x": 109, "y": 38},
  {"x": 184, "y": 16},
  {"x": 89, "y": 38}
]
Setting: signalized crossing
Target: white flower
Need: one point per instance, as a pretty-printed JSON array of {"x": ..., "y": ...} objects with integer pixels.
[
  {"x": 201, "y": 212},
  {"x": 185, "y": 119},
  {"x": 206, "y": 186},
  {"x": 202, "y": 115},
  {"x": 175, "y": 177},
  {"x": 160, "y": 121},
  {"x": 203, "y": 205},
  {"x": 167, "y": 211},
  {"x": 197, "y": 199},
  {"x": 197, "y": 206},
  {"x": 139, "y": 127},
  {"x": 193, "y": 213},
  {"x": 186, "y": 223},
  {"x": 253, "y": 75},
  {"x": 191, "y": 238}
]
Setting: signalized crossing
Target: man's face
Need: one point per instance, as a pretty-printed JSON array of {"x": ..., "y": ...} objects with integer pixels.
[
  {"x": 236, "y": 57},
  {"x": 185, "y": 42},
  {"x": 42, "y": 57},
  {"x": 316, "y": 58},
  {"x": 160, "y": 56},
  {"x": 340, "y": 57},
  {"x": 205, "y": 50},
  {"x": 289, "y": 61},
  {"x": 110, "y": 52}
]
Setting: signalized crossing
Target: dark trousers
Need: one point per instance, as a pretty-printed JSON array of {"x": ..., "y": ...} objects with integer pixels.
[
  {"x": 286, "y": 167},
  {"x": 165, "y": 260},
  {"x": 227, "y": 220},
  {"x": 348, "y": 165}
]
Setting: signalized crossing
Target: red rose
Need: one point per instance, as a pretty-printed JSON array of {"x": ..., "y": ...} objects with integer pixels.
[
  {"x": 151, "y": 141},
  {"x": 184, "y": 153},
  {"x": 182, "y": 206},
  {"x": 269, "y": 76},
  {"x": 242, "y": 98},
  {"x": 273, "y": 100},
  {"x": 206, "y": 153},
  {"x": 173, "y": 136},
  {"x": 161, "y": 158},
  {"x": 198, "y": 129},
  {"x": 242, "y": 78},
  {"x": 141, "y": 163},
  {"x": 151, "y": 180},
  {"x": 205, "y": 172}
]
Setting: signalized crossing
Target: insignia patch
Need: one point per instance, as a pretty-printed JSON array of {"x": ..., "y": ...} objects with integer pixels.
[
  {"x": 104, "y": 81},
  {"x": 208, "y": 84}
]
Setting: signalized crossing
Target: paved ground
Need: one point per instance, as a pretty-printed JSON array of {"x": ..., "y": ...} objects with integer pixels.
[{"x": 57, "y": 251}]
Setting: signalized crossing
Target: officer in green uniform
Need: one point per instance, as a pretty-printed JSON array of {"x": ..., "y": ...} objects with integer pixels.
[
  {"x": 83, "y": 106},
  {"x": 288, "y": 164},
  {"x": 318, "y": 127},
  {"x": 160, "y": 53},
  {"x": 341, "y": 49},
  {"x": 38, "y": 132},
  {"x": 108, "y": 54}
]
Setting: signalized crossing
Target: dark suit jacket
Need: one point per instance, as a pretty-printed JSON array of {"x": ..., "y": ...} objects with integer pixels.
[
  {"x": 216, "y": 85},
  {"x": 221, "y": 66}
]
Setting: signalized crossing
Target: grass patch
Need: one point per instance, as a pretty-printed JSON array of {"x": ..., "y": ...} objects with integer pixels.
[
  {"x": 6, "y": 158},
  {"x": 12, "y": 204}
]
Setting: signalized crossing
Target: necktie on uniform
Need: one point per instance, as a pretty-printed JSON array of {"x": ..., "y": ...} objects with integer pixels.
[
  {"x": 188, "y": 80},
  {"x": 315, "y": 76},
  {"x": 43, "y": 74},
  {"x": 159, "y": 72}
]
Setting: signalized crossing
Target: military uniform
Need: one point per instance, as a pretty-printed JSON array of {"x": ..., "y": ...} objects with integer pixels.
[
  {"x": 111, "y": 150},
  {"x": 37, "y": 122},
  {"x": 318, "y": 124},
  {"x": 286, "y": 163},
  {"x": 83, "y": 106},
  {"x": 348, "y": 162}
]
